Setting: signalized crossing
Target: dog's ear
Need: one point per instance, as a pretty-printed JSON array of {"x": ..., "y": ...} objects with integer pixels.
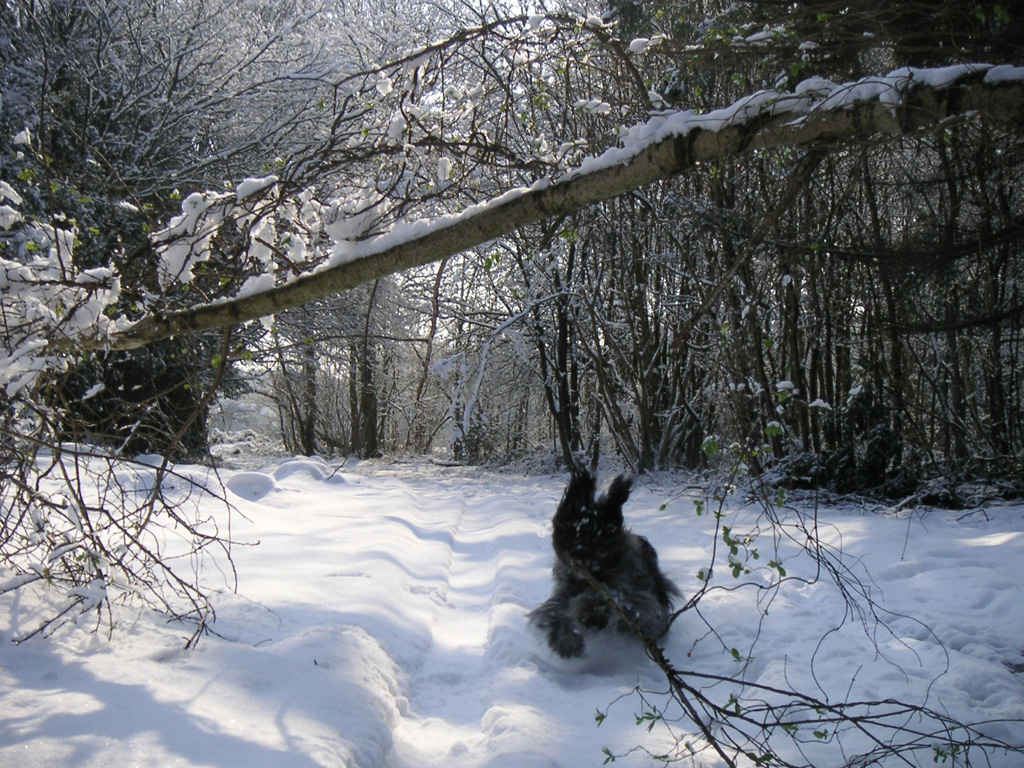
[
  {"x": 580, "y": 491},
  {"x": 618, "y": 491},
  {"x": 609, "y": 506},
  {"x": 578, "y": 498}
]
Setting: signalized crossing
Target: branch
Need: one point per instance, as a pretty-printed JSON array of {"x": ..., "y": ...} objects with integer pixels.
[{"x": 822, "y": 116}]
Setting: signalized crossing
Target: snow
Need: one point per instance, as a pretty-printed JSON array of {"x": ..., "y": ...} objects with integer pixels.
[
  {"x": 593, "y": 106},
  {"x": 94, "y": 390},
  {"x": 251, "y": 186},
  {"x": 398, "y": 126},
  {"x": 811, "y": 96},
  {"x": 444, "y": 169},
  {"x": 256, "y": 284},
  {"x": 406, "y": 231},
  {"x": 8, "y": 217},
  {"x": 1004, "y": 73},
  {"x": 380, "y": 621},
  {"x": 8, "y": 192},
  {"x": 186, "y": 240},
  {"x": 639, "y": 45}
]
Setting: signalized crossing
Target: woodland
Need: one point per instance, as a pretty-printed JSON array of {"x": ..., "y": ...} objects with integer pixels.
[
  {"x": 831, "y": 283},
  {"x": 776, "y": 245},
  {"x": 451, "y": 230},
  {"x": 659, "y": 232}
]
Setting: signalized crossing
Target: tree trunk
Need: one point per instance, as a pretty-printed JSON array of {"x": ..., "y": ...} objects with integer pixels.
[{"x": 773, "y": 126}]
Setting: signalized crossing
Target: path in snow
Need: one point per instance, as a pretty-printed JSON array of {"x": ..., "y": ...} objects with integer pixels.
[
  {"x": 487, "y": 692},
  {"x": 426, "y": 573},
  {"x": 381, "y": 623}
]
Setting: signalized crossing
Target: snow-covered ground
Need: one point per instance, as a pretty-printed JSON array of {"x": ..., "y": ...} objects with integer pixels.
[{"x": 381, "y": 621}]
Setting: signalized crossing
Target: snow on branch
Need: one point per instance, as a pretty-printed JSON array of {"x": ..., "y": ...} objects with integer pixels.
[
  {"x": 818, "y": 114},
  {"x": 44, "y": 297}
]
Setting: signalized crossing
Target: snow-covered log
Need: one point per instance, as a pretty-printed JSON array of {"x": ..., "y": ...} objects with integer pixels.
[{"x": 818, "y": 114}]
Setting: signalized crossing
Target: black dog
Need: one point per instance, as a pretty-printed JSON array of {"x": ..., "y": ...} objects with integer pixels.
[{"x": 590, "y": 535}]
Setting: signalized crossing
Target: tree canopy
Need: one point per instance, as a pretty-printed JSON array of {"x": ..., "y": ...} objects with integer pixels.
[
  {"x": 174, "y": 169},
  {"x": 819, "y": 116}
]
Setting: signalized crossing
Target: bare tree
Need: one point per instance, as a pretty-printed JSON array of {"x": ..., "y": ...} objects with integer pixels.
[{"x": 766, "y": 302}]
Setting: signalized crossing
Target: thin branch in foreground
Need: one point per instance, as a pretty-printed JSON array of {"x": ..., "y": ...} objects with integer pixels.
[{"x": 748, "y": 726}]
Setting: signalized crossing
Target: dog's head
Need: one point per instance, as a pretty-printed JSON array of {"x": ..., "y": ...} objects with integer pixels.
[{"x": 590, "y": 531}]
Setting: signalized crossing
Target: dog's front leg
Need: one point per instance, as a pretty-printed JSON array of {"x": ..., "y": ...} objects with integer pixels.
[
  {"x": 557, "y": 616},
  {"x": 649, "y": 615},
  {"x": 554, "y": 618},
  {"x": 591, "y": 610}
]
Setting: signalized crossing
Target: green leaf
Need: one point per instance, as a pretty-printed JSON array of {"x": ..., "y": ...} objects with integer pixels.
[{"x": 780, "y": 497}]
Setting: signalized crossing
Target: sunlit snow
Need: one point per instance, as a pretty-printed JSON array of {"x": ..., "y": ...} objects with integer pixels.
[{"x": 380, "y": 621}]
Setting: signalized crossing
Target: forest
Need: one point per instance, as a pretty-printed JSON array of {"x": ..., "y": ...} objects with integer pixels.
[
  {"x": 772, "y": 245},
  {"x": 838, "y": 300},
  {"x": 664, "y": 233}
]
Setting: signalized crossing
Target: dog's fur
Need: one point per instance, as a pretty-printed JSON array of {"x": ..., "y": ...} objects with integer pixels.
[{"x": 590, "y": 535}]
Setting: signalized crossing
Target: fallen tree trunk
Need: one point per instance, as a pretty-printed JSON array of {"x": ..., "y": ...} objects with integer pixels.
[{"x": 821, "y": 117}]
